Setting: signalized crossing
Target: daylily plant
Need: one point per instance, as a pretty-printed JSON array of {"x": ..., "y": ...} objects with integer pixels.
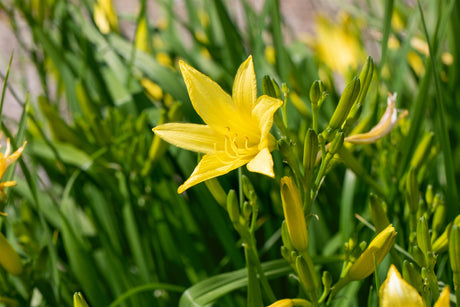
[{"x": 237, "y": 130}]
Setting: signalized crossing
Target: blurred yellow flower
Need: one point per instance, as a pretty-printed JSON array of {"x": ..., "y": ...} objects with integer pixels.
[
  {"x": 396, "y": 292},
  {"x": 237, "y": 130},
  {"x": 287, "y": 302},
  {"x": 105, "y": 17},
  {"x": 142, "y": 41},
  {"x": 9, "y": 258},
  {"x": 338, "y": 44},
  {"x": 5, "y": 161}
]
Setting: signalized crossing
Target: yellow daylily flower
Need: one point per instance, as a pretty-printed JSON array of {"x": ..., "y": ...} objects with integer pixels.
[
  {"x": 5, "y": 161},
  {"x": 105, "y": 17},
  {"x": 237, "y": 130},
  {"x": 396, "y": 292},
  {"x": 388, "y": 121}
]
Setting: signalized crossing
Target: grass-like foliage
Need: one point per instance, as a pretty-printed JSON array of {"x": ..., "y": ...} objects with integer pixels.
[{"x": 317, "y": 170}]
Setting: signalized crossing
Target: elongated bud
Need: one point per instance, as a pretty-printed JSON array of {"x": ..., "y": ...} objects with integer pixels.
[
  {"x": 377, "y": 249},
  {"x": 440, "y": 244},
  {"x": 270, "y": 87},
  {"x": 336, "y": 143},
  {"x": 293, "y": 213},
  {"x": 345, "y": 103},
  {"x": 422, "y": 151},
  {"x": 429, "y": 196},
  {"x": 419, "y": 256},
  {"x": 142, "y": 40},
  {"x": 317, "y": 93},
  {"x": 327, "y": 280},
  {"x": 412, "y": 276},
  {"x": 412, "y": 191},
  {"x": 395, "y": 291},
  {"x": 439, "y": 216},
  {"x": 454, "y": 254},
  {"x": 247, "y": 210},
  {"x": 378, "y": 213},
  {"x": 423, "y": 236},
  {"x": 78, "y": 300},
  {"x": 233, "y": 207},
  {"x": 310, "y": 151},
  {"x": 9, "y": 258},
  {"x": 307, "y": 276},
  {"x": 365, "y": 78},
  {"x": 248, "y": 189}
]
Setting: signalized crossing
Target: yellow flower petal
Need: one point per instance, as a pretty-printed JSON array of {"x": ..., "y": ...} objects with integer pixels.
[
  {"x": 262, "y": 163},
  {"x": 396, "y": 292},
  {"x": 194, "y": 137},
  {"x": 210, "y": 101},
  {"x": 244, "y": 91},
  {"x": 263, "y": 112},
  {"x": 443, "y": 300},
  {"x": 209, "y": 167}
]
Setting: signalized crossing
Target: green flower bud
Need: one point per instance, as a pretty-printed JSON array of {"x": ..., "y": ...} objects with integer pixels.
[
  {"x": 270, "y": 87},
  {"x": 365, "y": 78},
  {"x": 336, "y": 143},
  {"x": 233, "y": 208},
  {"x": 378, "y": 213},
  {"x": 412, "y": 191},
  {"x": 286, "y": 253},
  {"x": 345, "y": 103},
  {"x": 439, "y": 217},
  {"x": 78, "y": 300},
  {"x": 247, "y": 210},
  {"x": 317, "y": 93},
  {"x": 423, "y": 236},
  {"x": 454, "y": 253},
  {"x": 9, "y": 258},
  {"x": 293, "y": 213},
  {"x": 419, "y": 256},
  {"x": 248, "y": 190},
  {"x": 429, "y": 195},
  {"x": 376, "y": 251},
  {"x": 327, "y": 280},
  {"x": 412, "y": 276},
  {"x": 310, "y": 151},
  {"x": 285, "y": 236},
  {"x": 422, "y": 151},
  {"x": 307, "y": 276}
]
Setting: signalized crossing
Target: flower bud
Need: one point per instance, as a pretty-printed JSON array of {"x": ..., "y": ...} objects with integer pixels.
[
  {"x": 454, "y": 253},
  {"x": 365, "y": 78},
  {"x": 412, "y": 191},
  {"x": 423, "y": 236},
  {"x": 378, "y": 213},
  {"x": 248, "y": 190},
  {"x": 327, "y": 280},
  {"x": 9, "y": 258},
  {"x": 142, "y": 40},
  {"x": 395, "y": 291},
  {"x": 285, "y": 236},
  {"x": 78, "y": 300},
  {"x": 233, "y": 207},
  {"x": 310, "y": 151},
  {"x": 411, "y": 274},
  {"x": 270, "y": 87},
  {"x": 293, "y": 213},
  {"x": 291, "y": 303},
  {"x": 376, "y": 251},
  {"x": 422, "y": 151},
  {"x": 345, "y": 103},
  {"x": 317, "y": 94},
  {"x": 439, "y": 216},
  {"x": 336, "y": 143},
  {"x": 307, "y": 276}
]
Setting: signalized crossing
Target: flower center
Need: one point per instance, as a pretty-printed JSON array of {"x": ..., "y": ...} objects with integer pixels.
[{"x": 234, "y": 147}]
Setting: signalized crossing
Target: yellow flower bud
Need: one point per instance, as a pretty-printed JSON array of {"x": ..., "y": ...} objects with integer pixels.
[
  {"x": 291, "y": 303},
  {"x": 293, "y": 213},
  {"x": 78, "y": 300},
  {"x": 396, "y": 292},
  {"x": 9, "y": 258},
  {"x": 142, "y": 41},
  {"x": 377, "y": 249}
]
